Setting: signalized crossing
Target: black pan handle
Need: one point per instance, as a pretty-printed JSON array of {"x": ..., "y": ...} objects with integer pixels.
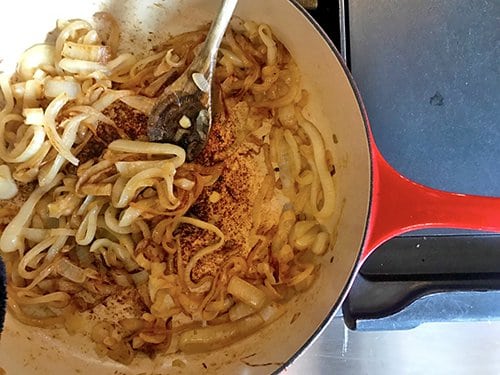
[{"x": 407, "y": 268}]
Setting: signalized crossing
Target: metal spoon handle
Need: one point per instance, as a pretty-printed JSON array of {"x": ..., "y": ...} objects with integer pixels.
[{"x": 208, "y": 54}]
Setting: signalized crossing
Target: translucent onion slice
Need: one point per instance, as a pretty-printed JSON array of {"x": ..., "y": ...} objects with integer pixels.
[
  {"x": 50, "y": 128},
  {"x": 22, "y": 152},
  {"x": 326, "y": 180},
  {"x": 122, "y": 63},
  {"x": 120, "y": 278},
  {"x": 11, "y": 239},
  {"x": 109, "y": 97},
  {"x": 103, "y": 190},
  {"x": 246, "y": 292},
  {"x": 213, "y": 337},
  {"x": 18, "y": 89},
  {"x": 240, "y": 310},
  {"x": 139, "y": 102},
  {"x": 128, "y": 217},
  {"x": 54, "y": 87},
  {"x": 76, "y": 66},
  {"x": 67, "y": 31},
  {"x": 174, "y": 60},
  {"x": 49, "y": 171},
  {"x": 32, "y": 92},
  {"x": 88, "y": 52},
  {"x": 33, "y": 58},
  {"x": 123, "y": 145},
  {"x": 271, "y": 312},
  {"x": 71, "y": 272},
  {"x": 131, "y": 168},
  {"x": 320, "y": 244},
  {"x": 38, "y": 235},
  {"x": 8, "y": 187},
  {"x": 33, "y": 116}
]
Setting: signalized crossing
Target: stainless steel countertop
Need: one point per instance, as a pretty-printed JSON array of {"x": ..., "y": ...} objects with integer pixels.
[{"x": 433, "y": 348}]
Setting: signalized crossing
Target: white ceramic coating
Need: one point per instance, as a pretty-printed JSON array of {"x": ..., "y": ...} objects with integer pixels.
[{"x": 333, "y": 108}]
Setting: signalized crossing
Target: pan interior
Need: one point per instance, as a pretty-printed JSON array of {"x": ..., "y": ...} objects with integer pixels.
[{"x": 333, "y": 107}]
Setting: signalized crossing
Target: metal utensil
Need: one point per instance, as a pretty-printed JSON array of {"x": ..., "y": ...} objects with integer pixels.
[{"x": 183, "y": 113}]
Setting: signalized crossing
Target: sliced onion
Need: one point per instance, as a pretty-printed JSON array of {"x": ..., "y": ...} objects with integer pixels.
[
  {"x": 112, "y": 222},
  {"x": 128, "y": 217},
  {"x": 8, "y": 187},
  {"x": 139, "y": 102},
  {"x": 88, "y": 52},
  {"x": 32, "y": 92},
  {"x": 38, "y": 235},
  {"x": 131, "y": 168},
  {"x": 49, "y": 171},
  {"x": 18, "y": 89},
  {"x": 66, "y": 33},
  {"x": 324, "y": 174},
  {"x": 33, "y": 58},
  {"x": 320, "y": 244},
  {"x": 91, "y": 37},
  {"x": 50, "y": 128},
  {"x": 246, "y": 292},
  {"x": 240, "y": 310},
  {"x": 8, "y": 100},
  {"x": 11, "y": 239},
  {"x": 82, "y": 66},
  {"x": 33, "y": 116},
  {"x": 123, "y": 145},
  {"x": 39, "y": 75},
  {"x": 122, "y": 64},
  {"x": 231, "y": 56},
  {"x": 71, "y": 272},
  {"x": 56, "y": 86},
  {"x": 184, "y": 184},
  {"x": 103, "y": 190},
  {"x": 109, "y": 97},
  {"x": 35, "y": 234},
  {"x": 199, "y": 340},
  {"x": 271, "y": 312},
  {"x": 64, "y": 206},
  {"x": 174, "y": 60},
  {"x": 22, "y": 152}
]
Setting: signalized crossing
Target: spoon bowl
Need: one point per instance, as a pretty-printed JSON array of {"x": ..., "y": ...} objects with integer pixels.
[{"x": 182, "y": 115}]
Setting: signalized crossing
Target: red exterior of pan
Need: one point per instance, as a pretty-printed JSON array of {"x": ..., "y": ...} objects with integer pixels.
[{"x": 400, "y": 205}]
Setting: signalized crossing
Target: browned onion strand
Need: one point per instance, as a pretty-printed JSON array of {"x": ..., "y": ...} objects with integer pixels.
[{"x": 218, "y": 245}]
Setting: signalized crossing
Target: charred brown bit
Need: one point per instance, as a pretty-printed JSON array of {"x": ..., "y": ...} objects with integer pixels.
[{"x": 128, "y": 123}]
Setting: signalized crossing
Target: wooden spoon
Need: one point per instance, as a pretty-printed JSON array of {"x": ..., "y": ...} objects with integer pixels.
[{"x": 183, "y": 114}]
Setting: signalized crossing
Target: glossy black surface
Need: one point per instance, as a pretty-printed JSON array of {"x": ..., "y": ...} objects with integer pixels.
[
  {"x": 429, "y": 74},
  {"x": 327, "y": 15},
  {"x": 408, "y": 268}
]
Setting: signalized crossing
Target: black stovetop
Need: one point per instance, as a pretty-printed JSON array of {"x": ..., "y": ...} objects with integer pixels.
[{"x": 428, "y": 74}]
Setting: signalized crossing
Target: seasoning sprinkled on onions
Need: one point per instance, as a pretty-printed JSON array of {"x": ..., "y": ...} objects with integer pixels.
[{"x": 123, "y": 240}]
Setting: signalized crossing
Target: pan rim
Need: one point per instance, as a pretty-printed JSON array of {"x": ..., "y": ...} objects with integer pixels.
[{"x": 357, "y": 264}]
